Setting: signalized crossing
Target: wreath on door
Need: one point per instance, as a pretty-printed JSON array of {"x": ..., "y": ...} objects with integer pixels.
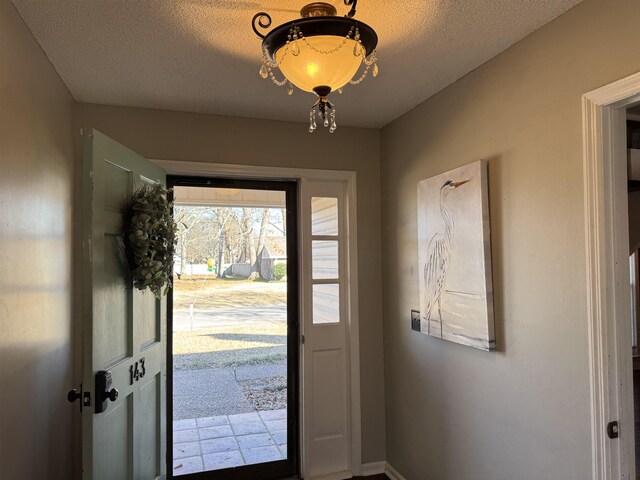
[{"x": 150, "y": 237}]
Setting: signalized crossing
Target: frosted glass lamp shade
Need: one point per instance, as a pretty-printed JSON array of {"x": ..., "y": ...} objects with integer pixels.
[{"x": 311, "y": 68}]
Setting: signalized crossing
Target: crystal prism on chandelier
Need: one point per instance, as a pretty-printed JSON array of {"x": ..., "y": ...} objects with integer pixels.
[{"x": 318, "y": 53}]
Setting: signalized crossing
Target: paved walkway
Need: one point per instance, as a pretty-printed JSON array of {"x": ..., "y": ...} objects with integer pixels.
[
  {"x": 224, "y": 441},
  {"x": 215, "y": 391}
]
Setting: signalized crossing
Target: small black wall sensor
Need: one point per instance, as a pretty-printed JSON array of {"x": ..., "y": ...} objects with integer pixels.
[{"x": 415, "y": 320}]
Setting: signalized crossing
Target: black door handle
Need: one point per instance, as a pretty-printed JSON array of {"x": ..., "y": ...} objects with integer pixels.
[
  {"x": 104, "y": 392},
  {"x": 73, "y": 395}
]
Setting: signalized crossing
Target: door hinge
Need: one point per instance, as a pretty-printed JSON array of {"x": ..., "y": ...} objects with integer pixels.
[
  {"x": 302, "y": 339},
  {"x": 612, "y": 429}
]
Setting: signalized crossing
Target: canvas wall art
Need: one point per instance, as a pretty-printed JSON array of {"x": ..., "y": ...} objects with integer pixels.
[{"x": 454, "y": 252}]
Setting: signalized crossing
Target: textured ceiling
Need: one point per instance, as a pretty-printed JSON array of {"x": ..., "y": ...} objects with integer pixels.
[{"x": 202, "y": 55}]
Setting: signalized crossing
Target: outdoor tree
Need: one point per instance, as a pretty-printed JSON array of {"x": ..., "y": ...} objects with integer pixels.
[
  {"x": 227, "y": 235},
  {"x": 261, "y": 236},
  {"x": 248, "y": 232},
  {"x": 186, "y": 219},
  {"x": 221, "y": 240},
  {"x": 200, "y": 231}
]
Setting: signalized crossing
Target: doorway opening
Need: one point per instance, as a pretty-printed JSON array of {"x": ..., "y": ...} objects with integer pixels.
[
  {"x": 233, "y": 330},
  {"x": 633, "y": 188},
  {"x": 606, "y": 182}
]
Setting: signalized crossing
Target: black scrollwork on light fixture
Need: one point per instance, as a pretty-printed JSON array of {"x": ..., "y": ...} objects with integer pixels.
[
  {"x": 263, "y": 20},
  {"x": 352, "y": 4}
]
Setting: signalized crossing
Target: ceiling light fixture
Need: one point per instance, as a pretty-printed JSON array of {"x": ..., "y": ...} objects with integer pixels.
[{"x": 318, "y": 53}]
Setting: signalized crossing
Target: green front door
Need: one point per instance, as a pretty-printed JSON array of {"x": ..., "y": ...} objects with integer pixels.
[{"x": 124, "y": 329}]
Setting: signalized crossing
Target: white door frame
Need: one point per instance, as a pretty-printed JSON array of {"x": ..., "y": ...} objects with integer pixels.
[
  {"x": 607, "y": 249},
  {"x": 175, "y": 167}
]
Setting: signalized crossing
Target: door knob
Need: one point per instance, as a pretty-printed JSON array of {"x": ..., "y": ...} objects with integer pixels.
[
  {"x": 112, "y": 395},
  {"x": 73, "y": 395}
]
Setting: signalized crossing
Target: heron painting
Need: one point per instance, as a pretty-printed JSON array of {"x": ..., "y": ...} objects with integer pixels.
[{"x": 454, "y": 253}]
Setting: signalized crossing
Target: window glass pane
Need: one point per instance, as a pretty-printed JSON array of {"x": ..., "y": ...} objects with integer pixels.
[
  {"x": 219, "y": 322},
  {"x": 324, "y": 216},
  {"x": 325, "y": 259},
  {"x": 326, "y": 303}
]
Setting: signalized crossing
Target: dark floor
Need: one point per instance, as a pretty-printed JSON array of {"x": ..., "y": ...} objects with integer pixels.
[{"x": 382, "y": 476}]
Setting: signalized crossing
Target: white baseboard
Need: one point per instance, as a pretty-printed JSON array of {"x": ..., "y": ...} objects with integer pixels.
[
  {"x": 373, "y": 468},
  {"x": 367, "y": 470},
  {"x": 392, "y": 473},
  {"x": 344, "y": 475}
]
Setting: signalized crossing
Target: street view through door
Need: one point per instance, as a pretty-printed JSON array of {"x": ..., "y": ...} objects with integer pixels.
[{"x": 234, "y": 328}]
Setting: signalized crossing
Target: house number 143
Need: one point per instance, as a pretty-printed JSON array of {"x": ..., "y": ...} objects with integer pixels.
[{"x": 136, "y": 371}]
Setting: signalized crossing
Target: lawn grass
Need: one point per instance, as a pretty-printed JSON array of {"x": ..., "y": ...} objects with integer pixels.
[
  {"x": 223, "y": 347},
  {"x": 228, "y": 346},
  {"x": 206, "y": 291}
]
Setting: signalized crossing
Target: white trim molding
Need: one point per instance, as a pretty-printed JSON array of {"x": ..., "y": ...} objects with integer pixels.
[
  {"x": 373, "y": 468},
  {"x": 392, "y": 473},
  {"x": 607, "y": 252},
  {"x": 178, "y": 167},
  {"x": 344, "y": 475}
]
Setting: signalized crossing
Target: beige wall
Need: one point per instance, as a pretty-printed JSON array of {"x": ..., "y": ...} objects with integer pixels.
[
  {"x": 451, "y": 412},
  {"x": 36, "y": 167},
  {"x": 522, "y": 412},
  {"x": 208, "y": 138}
]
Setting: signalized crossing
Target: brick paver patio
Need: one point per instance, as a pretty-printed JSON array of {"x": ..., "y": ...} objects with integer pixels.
[{"x": 213, "y": 443}]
